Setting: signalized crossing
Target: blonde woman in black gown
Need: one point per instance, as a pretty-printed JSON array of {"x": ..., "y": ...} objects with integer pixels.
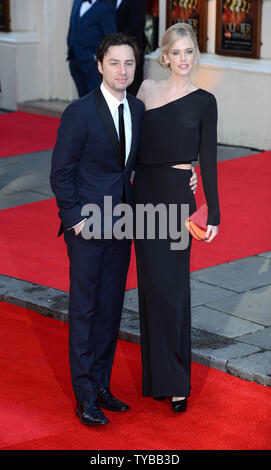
[{"x": 179, "y": 126}]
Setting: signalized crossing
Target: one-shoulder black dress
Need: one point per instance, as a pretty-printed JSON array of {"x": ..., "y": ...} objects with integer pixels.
[{"x": 178, "y": 132}]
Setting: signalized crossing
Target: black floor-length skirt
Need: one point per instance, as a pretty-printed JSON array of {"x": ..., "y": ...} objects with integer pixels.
[{"x": 163, "y": 286}]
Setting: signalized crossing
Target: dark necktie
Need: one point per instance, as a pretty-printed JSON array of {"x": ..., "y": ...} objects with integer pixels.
[
  {"x": 89, "y": 1},
  {"x": 122, "y": 134}
]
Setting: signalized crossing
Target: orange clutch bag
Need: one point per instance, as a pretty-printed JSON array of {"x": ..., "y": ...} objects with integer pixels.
[{"x": 197, "y": 223}]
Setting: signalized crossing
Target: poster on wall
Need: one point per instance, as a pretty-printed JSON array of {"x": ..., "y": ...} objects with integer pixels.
[
  {"x": 193, "y": 12},
  {"x": 238, "y": 30},
  {"x": 4, "y": 15}
]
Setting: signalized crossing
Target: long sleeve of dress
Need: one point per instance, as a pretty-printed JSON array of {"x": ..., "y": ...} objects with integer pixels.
[{"x": 208, "y": 159}]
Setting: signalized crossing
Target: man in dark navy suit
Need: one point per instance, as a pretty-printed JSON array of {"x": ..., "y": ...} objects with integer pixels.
[
  {"x": 131, "y": 20},
  {"x": 90, "y": 22},
  {"x": 94, "y": 156}
]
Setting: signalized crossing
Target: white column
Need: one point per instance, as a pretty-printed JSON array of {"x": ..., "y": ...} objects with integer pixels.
[
  {"x": 266, "y": 30},
  {"x": 19, "y": 56},
  {"x": 22, "y": 15},
  {"x": 211, "y": 22},
  {"x": 162, "y": 19},
  {"x": 34, "y": 53}
]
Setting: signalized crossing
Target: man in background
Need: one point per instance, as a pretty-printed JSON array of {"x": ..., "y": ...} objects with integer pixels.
[
  {"x": 90, "y": 22},
  {"x": 131, "y": 20}
]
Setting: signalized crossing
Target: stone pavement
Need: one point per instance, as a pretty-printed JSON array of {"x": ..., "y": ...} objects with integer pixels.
[{"x": 231, "y": 302}]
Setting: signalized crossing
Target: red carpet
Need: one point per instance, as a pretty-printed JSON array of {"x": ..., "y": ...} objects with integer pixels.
[
  {"x": 24, "y": 133},
  {"x": 37, "y": 403},
  {"x": 31, "y": 251}
]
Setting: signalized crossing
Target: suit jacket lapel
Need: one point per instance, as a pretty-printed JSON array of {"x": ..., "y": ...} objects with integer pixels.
[
  {"x": 75, "y": 10},
  {"x": 107, "y": 120},
  {"x": 134, "y": 129}
]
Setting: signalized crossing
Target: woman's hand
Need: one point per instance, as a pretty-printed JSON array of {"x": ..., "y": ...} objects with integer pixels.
[
  {"x": 212, "y": 230},
  {"x": 194, "y": 180}
]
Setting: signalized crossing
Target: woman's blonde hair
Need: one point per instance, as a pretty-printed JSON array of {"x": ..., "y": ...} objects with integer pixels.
[{"x": 173, "y": 34}]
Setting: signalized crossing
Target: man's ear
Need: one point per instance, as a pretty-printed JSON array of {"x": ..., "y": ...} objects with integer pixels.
[{"x": 100, "y": 67}]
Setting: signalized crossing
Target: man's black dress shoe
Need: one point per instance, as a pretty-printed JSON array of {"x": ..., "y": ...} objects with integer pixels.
[
  {"x": 109, "y": 402},
  {"x": 179, "y": 405},
  {"x": 159, "y": 398},
  {"x": 89, "y": 413}
]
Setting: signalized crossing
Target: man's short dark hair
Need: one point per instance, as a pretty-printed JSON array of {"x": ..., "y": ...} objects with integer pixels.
[{"x": 118, "y": 39}]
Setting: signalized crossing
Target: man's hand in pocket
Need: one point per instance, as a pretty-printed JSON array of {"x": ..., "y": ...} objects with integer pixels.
[{"x": 78, "y": 228}]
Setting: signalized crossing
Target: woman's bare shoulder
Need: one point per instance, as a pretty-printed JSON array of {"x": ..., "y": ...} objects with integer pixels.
[{"x": 147, "y": 86}]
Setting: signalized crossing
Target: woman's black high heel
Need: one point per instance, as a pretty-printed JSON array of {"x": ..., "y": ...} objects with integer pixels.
[{"x": 179, "y": 406}]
